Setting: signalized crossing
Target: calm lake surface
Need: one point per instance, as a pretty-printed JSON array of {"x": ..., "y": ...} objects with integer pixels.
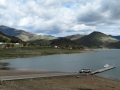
[{"x": 72, "y": 62}]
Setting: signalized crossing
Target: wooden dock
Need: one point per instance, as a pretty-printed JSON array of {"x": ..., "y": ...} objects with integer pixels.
[{"x": 103, "y": 69}]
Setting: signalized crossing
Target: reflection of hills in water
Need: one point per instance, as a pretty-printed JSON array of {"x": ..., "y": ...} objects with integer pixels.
[{"x": 4, "y": 66}]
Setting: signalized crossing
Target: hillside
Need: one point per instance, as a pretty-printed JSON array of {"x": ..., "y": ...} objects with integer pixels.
[
  {"x": 115, "y": 45},
  {"x": 23, "y": 35},
  {"x": 64, "y": 43},
  {"x": 6, "y": 38},
  {"x": 41, "y": 42},
  {"x": 117, "y": 37},
  {"x": 96, "y": 39},
  {"x": 74, "y": 37}
]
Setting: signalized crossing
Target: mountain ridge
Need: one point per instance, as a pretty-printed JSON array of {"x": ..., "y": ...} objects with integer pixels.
[
  {"x": 65, "y": 43},
  {"x": 9, "y": 39},
  {"x": 117, "y": 37},
  {"x": 96, "y": 39},
  {"x": 74, "y": 37},
  {"x": 23, "y": 35}
]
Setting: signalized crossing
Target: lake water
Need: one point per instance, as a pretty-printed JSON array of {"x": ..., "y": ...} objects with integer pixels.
[{"x": 72, "y": 62}]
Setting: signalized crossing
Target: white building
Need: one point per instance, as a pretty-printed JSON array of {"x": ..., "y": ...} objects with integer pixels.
[{"x": 1, "y": 42}]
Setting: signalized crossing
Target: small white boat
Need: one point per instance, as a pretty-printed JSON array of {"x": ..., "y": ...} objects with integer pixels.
[{"x": 106, "y": 65}]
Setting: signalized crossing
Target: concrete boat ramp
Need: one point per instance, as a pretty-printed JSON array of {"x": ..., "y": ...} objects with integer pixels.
[{"x": 31, "y": 76}]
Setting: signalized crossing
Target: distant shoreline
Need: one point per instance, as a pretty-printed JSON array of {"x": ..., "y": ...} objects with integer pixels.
[{"x": 32, "y": 53}]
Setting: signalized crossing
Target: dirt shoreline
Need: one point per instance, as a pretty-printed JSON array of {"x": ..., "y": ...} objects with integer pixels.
[{"x": 90, "y": 82}]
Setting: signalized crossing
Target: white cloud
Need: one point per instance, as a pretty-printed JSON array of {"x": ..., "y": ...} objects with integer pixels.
[
  {"x": 60, "y": 17},
  {"x": 55, "y": 3},
  {"x": 2, "y": 2},
  {"x": 83, "y": 27}
]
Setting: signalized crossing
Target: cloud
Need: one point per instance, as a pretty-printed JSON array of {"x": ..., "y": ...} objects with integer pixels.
[
  {"x": 100, "y": 12},
  {"x": 82, "y": 27},
  {"x": 2, "y": 4},
  {"x": 61, "y": 17},
  {"x": 55, "y": 3}
]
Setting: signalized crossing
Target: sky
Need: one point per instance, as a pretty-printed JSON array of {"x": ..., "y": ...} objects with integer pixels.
[{"x": 62, "y": 17}]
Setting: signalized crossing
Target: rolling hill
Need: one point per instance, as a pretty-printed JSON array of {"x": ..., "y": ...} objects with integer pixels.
[
  {"x": 65, "y": 43},
  {"x": 74, "y": 37},
  {"x": 10, "y": 39},
  {"x": 23, "y": 35},
  {"x": 96, "y": 39},
  {"x": 115, "y": 45},
  {"x": 41, "y": 42},
  {"x": 117, "y": 37}
]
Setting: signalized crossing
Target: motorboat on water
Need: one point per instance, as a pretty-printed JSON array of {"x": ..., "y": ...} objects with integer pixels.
[{"x": 106, "y": 65}]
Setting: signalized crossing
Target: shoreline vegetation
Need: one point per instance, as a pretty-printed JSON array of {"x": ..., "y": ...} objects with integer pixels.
[
  {"x": 89, "y": 82},
  {"x": 24, "y": 52}
]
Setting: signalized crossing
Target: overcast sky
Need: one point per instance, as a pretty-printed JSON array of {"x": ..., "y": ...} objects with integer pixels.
[{"x": 62, "y": 17}]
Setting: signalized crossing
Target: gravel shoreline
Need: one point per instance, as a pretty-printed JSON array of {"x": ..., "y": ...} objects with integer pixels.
[{"x": 89, "y": 82}]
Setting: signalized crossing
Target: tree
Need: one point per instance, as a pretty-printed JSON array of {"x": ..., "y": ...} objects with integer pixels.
[
  {"x": 8, "y": 45},
  {"x": 12, "y": 45},
  {"x": 28, "y": 44},
  {"x": 24, "y": 44}
]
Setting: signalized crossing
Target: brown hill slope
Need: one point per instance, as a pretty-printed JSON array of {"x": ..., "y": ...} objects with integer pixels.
[
  {"x": 23, "y": 35},
  {"x": 74, "y": 37},
  {"x": 6, "y": 38},
  {"x": 96, "y": 39}
]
